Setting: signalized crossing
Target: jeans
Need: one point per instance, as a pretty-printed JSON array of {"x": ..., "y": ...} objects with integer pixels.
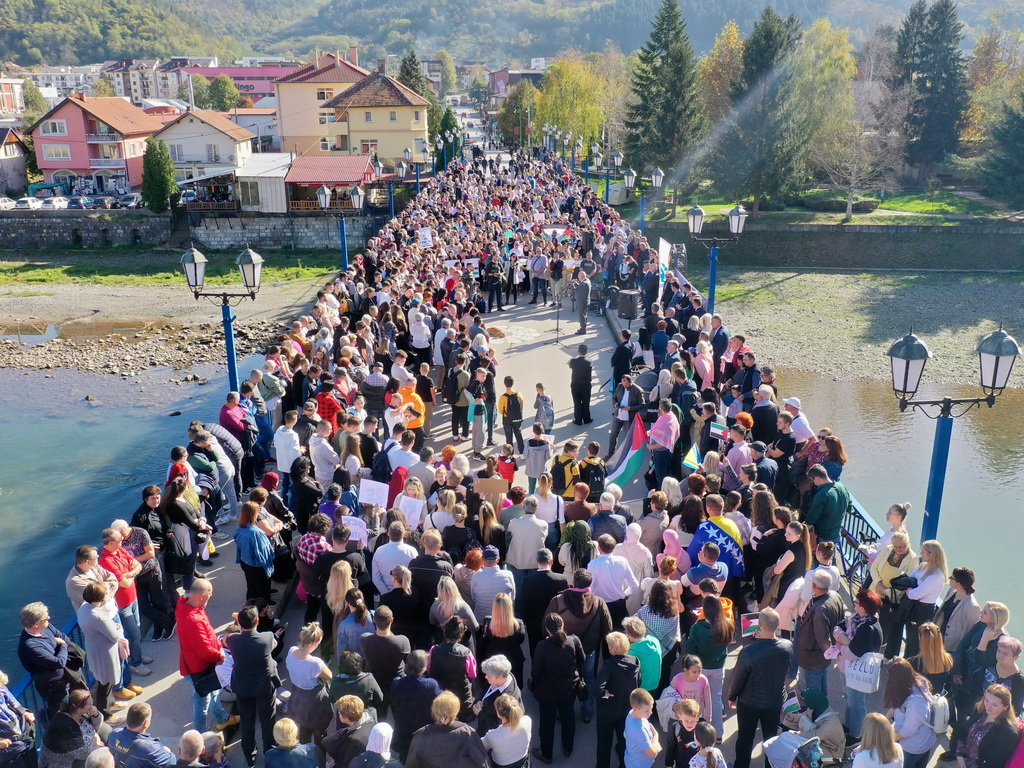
[
  {"x": 716, "y": 679},
  {"x": 531, "y": 483},
  {"x": 856, "y": 711},
  {"x": 153, "y": 602},
  {"x": 286, "y": 483},
  {"x": 132, "y": 621},
  {"x": 564, "y": 709},
  {"x": 460, "y": 420},
  {"x": 747, "y": 720},
  {"x": 540, "y": 284},
  {"x": 662, "y": 461},
  {"x": 590, "y": 677},
  {"x": 514, "y": 434},
  {"x": 519, "y": 577},
  {"x": 200, "y": 706},
  {"x": 227, "y": 487},
  {"x": 910, "y": 760},
  {"x": 815, "y": 678}
]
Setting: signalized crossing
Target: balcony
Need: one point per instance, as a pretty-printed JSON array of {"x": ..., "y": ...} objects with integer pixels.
[
  {"x": 103, "y": 138},
  {"x": 314, "y": 205},
  {"x": 106, "y": 162}
]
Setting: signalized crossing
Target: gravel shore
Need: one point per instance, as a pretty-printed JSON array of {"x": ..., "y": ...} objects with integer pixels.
[{"x": 829, "y": 322}]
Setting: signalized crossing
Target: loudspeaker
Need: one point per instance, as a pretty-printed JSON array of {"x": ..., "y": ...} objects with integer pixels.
[{"x": 629, "y": 305}]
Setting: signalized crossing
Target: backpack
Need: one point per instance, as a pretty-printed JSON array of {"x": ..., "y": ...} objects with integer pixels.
[
  {"x": 558, "y": 475},
  {"x": 381, "y": 469},
  {"x": 593, "y": 474},
  {"x": 450, "y": 388},
  {"x": 513, "y": 407},
  {"x": 938, "y": 713}
]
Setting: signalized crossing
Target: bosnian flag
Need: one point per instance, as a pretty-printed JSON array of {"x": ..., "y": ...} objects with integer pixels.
[{"x": 630, "y": 458}]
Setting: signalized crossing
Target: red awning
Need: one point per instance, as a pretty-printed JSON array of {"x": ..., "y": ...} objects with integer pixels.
[{"x": 332, "y": 170}]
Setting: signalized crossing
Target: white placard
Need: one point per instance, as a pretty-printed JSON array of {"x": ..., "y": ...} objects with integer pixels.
[
  {"x": 372, "y": 492},
  {"x": 426, "y": 235},
  {"x": 413, "y": 509},
  {"x": 358, "y": 527}
]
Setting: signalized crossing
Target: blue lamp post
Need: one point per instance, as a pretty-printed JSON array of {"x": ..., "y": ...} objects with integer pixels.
[
  {"x": 424, "y": 159},
  {"x": 597, "y": 161},
  {"x": 441, "y": 150},
  {"x": 695, "y": 220},
  {"x": 629, "y": 177},
  {"x": 250, "y": 264},
  {"x": 997, "y": 353}
]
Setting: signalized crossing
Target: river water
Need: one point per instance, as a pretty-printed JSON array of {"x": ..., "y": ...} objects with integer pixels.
[{"x": 69, "y": 466}]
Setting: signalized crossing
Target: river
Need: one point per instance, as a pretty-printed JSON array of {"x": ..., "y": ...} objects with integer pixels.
[{"x": 69, "y": 466}]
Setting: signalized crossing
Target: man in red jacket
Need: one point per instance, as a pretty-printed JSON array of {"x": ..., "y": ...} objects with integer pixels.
[{"x": 200, "y": 652}]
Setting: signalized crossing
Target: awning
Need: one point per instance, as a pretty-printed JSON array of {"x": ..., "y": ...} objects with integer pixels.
[
  {"x": 211, "y": 173},
  {"x": 333, "y": 170}
]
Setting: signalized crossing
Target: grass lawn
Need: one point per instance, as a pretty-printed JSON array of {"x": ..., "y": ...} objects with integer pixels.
[
  {"x": 941, "y": 202},
  {"x": 134, "y": 266}
]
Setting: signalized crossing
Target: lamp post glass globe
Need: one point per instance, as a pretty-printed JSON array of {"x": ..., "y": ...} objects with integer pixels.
[
  {"x": 997, "y": 353},
  {"x": 440, "y": 143},
  {"x": 402, "y": 169},
  {"x": 425, "y": 155},
  {"x": 657, "y": 177},
  {"x": 737, "y": 218},
  {"x": 194, "y": 263},
  {"x": 378, "y": 168},
  {"x": 629, "y": 176},
  {"x": 323, "y": 196},
  {"x": 250, "y": 264},
  {"x": 595, "y": 149},
  {"x": 358, "y": 197},
  {"x": 618, "y": 157},
  {"x": 908, "y": 357},
  {"x": 598, "y": 159},
  {"x": 407, "y": 154},
  {"x": 695, "y": 219}
]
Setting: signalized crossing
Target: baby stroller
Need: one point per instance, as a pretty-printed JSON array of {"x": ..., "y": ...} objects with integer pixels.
[{"x": 791, "y": 750}]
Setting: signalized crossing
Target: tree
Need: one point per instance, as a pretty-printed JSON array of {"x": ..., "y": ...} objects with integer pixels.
[
  {"x": 448, "y": 124},
  {"x": 245, "y": 102},
  {"x": 718, "y": 70},
  {"x": 1002, "y": 168},
  {"x": 517, "y": 111},
  {"x": 35, "y": 102},
  {"x": 478, "y": 90},
  {"x": 909, "y": 42},
  {"x": 410, "y": 74},
  {"x": 995, "y": 77},
  {"x": 614, "y": 68},
  {"x": 159, "y": 181},
  {"x": 567, "y": 98},
  {"x": 762, "y": 150},
  {"x": 223, "y": 93},
  {"x": 102, "y": 88},
  {"x": 449, "y": 78},
  {"x": 664, "y": 117},
  {"x": 199, "y": 95}
]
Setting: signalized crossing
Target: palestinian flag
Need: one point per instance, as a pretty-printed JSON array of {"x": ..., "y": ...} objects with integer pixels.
[{"x": 630, "y": 459}]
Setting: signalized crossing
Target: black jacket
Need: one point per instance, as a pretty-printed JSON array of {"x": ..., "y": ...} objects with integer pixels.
[
  {"x": 622, "y": 361},
  {"x": 227, "y": 441},
  {"x": 582, "y": 371},
  {"x": 556, "y": 668},
  {"x": 539, "y": 589},
  {"x": 411, "y": 699},
  {"x": 487, "y": 719},
  {"x": 255, "y": 671},
  {"x": 618, "y": 677},
  {"x": 759, "y": 679},
  {"x": 997, "y": 746}
]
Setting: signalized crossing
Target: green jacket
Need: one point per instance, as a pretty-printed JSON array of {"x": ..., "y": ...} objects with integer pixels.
[
  {"x": 648, "y": 651},
  {"x": 827, "y": 509},
  {"x": 699, "y": 643}
]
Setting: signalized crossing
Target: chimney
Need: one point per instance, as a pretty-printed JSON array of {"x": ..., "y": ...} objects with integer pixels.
[
  {"x": 382, "y": 66},
  {"x": 353, "y": 54}
]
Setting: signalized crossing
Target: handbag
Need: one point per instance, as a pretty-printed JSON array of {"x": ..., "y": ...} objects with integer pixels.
[
  {"x": 903, "y": 582},
  {"x": 206, "y": 682},
  {"x": 582, "y": 690},
  {"x": 863, "y": 674}
]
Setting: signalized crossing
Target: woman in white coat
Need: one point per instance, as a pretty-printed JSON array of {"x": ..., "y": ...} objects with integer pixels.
[{"x": 105, "y": 644}]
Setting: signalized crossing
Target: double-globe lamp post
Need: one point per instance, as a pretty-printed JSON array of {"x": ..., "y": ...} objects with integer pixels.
[
  {"x": 616, "y": 160},
  {"x": 997, "y": 353},
  {"x": 358, "y": 197},
  {"x": 424, "y": 159},
  {"x": 657, "y": 178},
  {"x": 250, "y": 264},
  {"x": 378, "y": 170},
  {"x": 695, "y": 219}
]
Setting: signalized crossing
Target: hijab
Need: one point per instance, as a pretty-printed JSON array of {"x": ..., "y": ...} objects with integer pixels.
[
  {"x": 380, "y": 740},
  {"x": 639, "y": 556}
]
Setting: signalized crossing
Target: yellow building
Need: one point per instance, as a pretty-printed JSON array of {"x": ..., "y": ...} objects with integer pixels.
[
  {"x": 307, "y": 127},
  {"x": 379, "y": 115}
]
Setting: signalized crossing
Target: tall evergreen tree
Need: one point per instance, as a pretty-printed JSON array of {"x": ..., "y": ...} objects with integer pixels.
[
  {"x": 1002, "y": 168},
  {"x": 410, "y": 74},
  {"x": 665, "y": 116},
  {"x": 909, "y": 43},
  {"x": 159, "y": 181},
  {"x": 762, "y": 151}
]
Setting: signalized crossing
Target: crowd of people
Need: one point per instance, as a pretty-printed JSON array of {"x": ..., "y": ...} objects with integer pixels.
[{"x": 432, "y": 619}]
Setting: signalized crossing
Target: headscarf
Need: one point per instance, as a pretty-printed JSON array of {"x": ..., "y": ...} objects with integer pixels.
[
  {"x": 638, "y": 556},
  {"x": 816, "y": 700},
  {"x": 269, "y": 481},
  {"x": 663, "y": 388},
  {"x": 674, "y": 549},
  {"x": 577, "y": 536},
  {"x": 380, "y": 740}
]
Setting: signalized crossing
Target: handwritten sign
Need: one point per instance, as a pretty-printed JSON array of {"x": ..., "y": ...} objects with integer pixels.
[{"x": 372, "y": 492}]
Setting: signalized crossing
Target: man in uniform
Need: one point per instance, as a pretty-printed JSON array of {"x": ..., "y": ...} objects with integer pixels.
[{"x": 580, "y": 386}]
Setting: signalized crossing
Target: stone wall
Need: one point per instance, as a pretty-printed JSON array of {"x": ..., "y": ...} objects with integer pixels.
[
  {"x": 282, "y": 231},
  {"x": 75, "y": 229},
  {"x": 765, "y": 246}
]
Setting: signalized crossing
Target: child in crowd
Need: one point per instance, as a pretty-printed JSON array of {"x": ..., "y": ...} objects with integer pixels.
[
  {"x": 545, "y": 409},
  {"x": 708, "y": 756},
  {"x": 507, "y": 465},
  {"x": 537, "y": 456},
  {"x": 641, "y": 738},
  {"x": 692, "y": 684},
  {"x": 680, "y": 743}
]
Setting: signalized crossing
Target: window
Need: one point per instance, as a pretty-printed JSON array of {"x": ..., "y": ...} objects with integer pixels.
[
  {"x": 57, "y": 151},
  {"x": 325, "y": 145},
  {"x": 212, "y": 153},
  {"x": 327, "y": 117},
  {"x": 324, "y": 95},
  {"x": 340, "y": 143},
  {"x": 367, "y": 117},
  {"x": 177, "y": 155},
  {"x": 249, "y": 193},
  {"x": 55, "y": 128},
  {"x": 367, "y": 146},
  {"x": 393, "y": 116},
  {"x": 416, "y": 116}
]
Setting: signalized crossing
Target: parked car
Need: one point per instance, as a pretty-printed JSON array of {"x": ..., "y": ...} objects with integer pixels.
[
  {"x": 28, "y": 203},
  {"x": 6, "y": 203},
  {"x": 188, "y": 196},
  {"x": 104, "y": 201},
  {"x": 55, "y": 203},
  {"x": 134, "y": 200},
  {"x": 81, "y": 203}
]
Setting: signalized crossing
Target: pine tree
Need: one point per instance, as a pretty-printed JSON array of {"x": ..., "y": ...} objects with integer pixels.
[
  {"x": 448, "y": 123},
  {"x": 410, "y": 74},
  {"x": 1002, "y": 168},
  {"x": 159, "y": 181},
  {"x": 664, "y": 118},
  {"x": 909, "y": 41}
]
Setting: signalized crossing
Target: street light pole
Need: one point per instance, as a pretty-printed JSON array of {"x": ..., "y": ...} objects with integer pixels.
[
  {"x": 997, "y": 353},
  {"x": 250, "y": 264},
  {"x": 695, "y": 219}
]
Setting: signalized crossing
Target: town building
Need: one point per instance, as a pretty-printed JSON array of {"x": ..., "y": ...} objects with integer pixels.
[
  {"x": 260, "y": 185},
  {"x": 306, "y": 126},
  {"x": 377, "y": 116},
  {"x": 12, "y": 96},
  {"x": 502, "y": 80},
  {"x": 263, "y": 122},
  {"x": 256, "y": 82},
  {"x": 202, "y": 141},
  {"x": 94, "y": 145},
  {"x": 67, "y": 80},
  {"x": 12, "y": 161}
]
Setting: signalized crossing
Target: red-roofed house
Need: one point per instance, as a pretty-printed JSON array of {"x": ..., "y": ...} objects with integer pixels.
[
  {"x": 95, "y": 145},
  {"x": 379, "y": 115},
  {"x": 340, "y": 172},
  {"x": 200, "y": 138},
  {"x": 307, "y": 128}
]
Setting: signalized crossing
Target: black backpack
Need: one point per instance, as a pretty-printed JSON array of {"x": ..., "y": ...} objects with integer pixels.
[
  {"x": 594, "y": 474},
  {"x": 381, "y": 469},
  {"x": 558, "y": 475},
  {"x": 514, "y": 407},
  {"x": 450, "y": 388}
]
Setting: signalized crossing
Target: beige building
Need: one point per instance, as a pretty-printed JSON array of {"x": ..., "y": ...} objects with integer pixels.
[
  {"x": 306, "y": 126},
  {"x": 378, "y": 115},
  {"x": 202, "y": 141}
]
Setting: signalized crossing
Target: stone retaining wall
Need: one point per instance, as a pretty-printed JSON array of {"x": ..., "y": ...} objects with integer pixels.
[
  {"x": 300, "y": 232},
  {"x": 75, "y": 229}
]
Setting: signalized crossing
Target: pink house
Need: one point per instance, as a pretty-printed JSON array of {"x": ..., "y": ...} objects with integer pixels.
[{"x": 94, "y": 145}]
